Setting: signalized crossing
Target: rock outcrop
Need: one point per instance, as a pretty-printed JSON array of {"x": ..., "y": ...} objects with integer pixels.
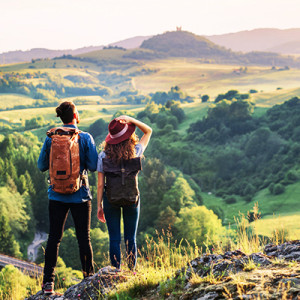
[
  {"x": 274, "y": 274},
  {"x": 94, "y": 287}
]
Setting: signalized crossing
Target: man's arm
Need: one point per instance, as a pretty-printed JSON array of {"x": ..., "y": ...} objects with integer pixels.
[
  {"x": 91, "y": 154},
  {"x": 43, "y": 161}
]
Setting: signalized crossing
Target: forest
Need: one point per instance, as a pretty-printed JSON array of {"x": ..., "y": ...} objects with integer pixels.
[{"x": 230, "y": 153}]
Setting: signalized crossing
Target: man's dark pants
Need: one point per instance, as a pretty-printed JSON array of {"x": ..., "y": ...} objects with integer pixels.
[{"x": 81, "y": 213}]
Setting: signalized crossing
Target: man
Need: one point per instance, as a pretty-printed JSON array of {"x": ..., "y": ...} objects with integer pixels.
[{"x": 78, "y": 202}]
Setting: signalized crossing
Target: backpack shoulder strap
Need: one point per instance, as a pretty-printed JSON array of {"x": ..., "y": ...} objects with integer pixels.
[{"x": 63, "y": 131}]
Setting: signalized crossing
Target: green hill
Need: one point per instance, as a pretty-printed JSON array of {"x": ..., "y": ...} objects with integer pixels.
[{"x": 185, "y": 44}]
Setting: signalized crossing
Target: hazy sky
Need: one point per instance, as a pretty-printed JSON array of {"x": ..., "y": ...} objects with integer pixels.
[{"x": 65, "y": 24}]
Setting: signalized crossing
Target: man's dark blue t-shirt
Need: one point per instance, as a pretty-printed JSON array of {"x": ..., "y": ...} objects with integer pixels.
[{"x": 88, "y": 161}]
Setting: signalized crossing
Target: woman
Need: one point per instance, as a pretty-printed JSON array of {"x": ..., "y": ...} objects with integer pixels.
[{"x": 121, "y": 144}]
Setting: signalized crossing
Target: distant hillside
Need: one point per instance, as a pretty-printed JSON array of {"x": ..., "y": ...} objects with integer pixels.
[
  {"x": 26, "y": 56},
  {"x": 131, "y": 43},
  {"x": 36, "y": 53},
  {"x": 264, "y": 39},
  {"x": 288, "y": 48},
  {"x": 184, "y": 44},
  {"x": 187, "y": 44}
]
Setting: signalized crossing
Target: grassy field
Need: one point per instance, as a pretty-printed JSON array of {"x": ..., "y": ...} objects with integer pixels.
[
  {"x": 277, "y": 210},
  {"x": 42, "y": 65},
  {"x": 290, "y": 223},
  {"x": 11, "y": 100},
  {"x": 268, "y": 99},
  {"x": 212, "y": 79}
]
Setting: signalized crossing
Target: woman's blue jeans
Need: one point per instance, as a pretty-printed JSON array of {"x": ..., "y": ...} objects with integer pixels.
[{"x": 113, "y": 220}]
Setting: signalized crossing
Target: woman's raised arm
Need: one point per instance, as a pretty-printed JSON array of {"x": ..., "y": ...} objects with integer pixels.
[{"x": 147, "y": 130}]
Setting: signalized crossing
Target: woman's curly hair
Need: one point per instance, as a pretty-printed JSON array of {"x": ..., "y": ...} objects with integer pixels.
[{"x": 125, "y": 149}]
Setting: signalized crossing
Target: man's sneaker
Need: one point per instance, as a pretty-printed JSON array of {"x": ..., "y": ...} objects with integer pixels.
[{"x": 48, "y": 288}]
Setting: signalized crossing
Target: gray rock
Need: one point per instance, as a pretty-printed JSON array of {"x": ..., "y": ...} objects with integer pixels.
[
  {"x": 93, "y": 287},
  {"x": 209, "y": 296}
]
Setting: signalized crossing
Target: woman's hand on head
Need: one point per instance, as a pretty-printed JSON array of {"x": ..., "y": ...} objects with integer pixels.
[
  {"x": 124, "y": 119},
  {"x": 100, "y": 215}
]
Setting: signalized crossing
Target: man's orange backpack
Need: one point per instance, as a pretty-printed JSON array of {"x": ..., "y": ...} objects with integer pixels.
[{"x": 64, "y": 161}]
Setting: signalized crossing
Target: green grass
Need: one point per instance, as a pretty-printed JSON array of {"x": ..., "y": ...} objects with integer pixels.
[
  {"x": 61, "y": 64},
  {"x": 268, "y": 99},
  {"x": 212, "y": 79},
  {"x": 194, "y": 112},
  {"x": 289, "y": 222},
  {"x": 286, "y": 205}
]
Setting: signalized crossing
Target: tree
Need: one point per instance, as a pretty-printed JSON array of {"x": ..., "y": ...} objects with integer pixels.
[
  {"x": 12, "y": 206},
  {"x": 178, "y": 112},
  {"x": 204, "y": 98},
  {"x": 161, "y": 120},
  {"x": 8, "y": 244},
  {"x": 100, "y": 242},
  {"x": 166, "y": 219},
  {"x": 98, "y": 128},
  {"x": 200, "y": 225},
  {"x": 154, "y": 183},
  {"x": 180, "y": 195},
  {"x": 69, "y": 250},
  {"x": 123, "y": 112}
]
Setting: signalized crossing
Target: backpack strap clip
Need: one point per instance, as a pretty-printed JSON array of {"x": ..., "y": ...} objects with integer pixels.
[{"x": 122, "y": 172}]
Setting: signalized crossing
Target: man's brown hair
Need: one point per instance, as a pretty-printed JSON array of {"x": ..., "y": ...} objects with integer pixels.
[{"x": 66, "y": 111}]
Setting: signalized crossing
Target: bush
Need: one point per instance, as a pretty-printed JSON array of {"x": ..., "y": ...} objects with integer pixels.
[
  {"x": 218, "y": 211},
  {"x": 204, "y": 98},
  {"x": 271, "y": 188},
  {"x": 230, "y": 200},
  {"x": 98, "y": 128},
  {"x": 278, "y": 189},
  {"x": 199, "y": 225},
  {"x": 249, "y": 190},
  {"x": 16, "y": 285},
  {"x": 291, "y": 176}
]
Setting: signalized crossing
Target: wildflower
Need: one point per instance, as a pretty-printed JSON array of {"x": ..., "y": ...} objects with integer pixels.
[
  {"x": 78, "y": 295},
  {"x": 64, "y": 279}
]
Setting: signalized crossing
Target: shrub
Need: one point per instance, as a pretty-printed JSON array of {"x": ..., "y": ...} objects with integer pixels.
[
  {"x": 15, "y": 285},
  {"x": 291, "y": 176},
  {"x": 204, "y": 98},
  {"x": 218, "y": 211},
  {"x": 199, "y": 225},
  {"x": 230, "y": 200},
  {"x": 278, "y": 189},
  {"x": 271, "y": 187}
]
